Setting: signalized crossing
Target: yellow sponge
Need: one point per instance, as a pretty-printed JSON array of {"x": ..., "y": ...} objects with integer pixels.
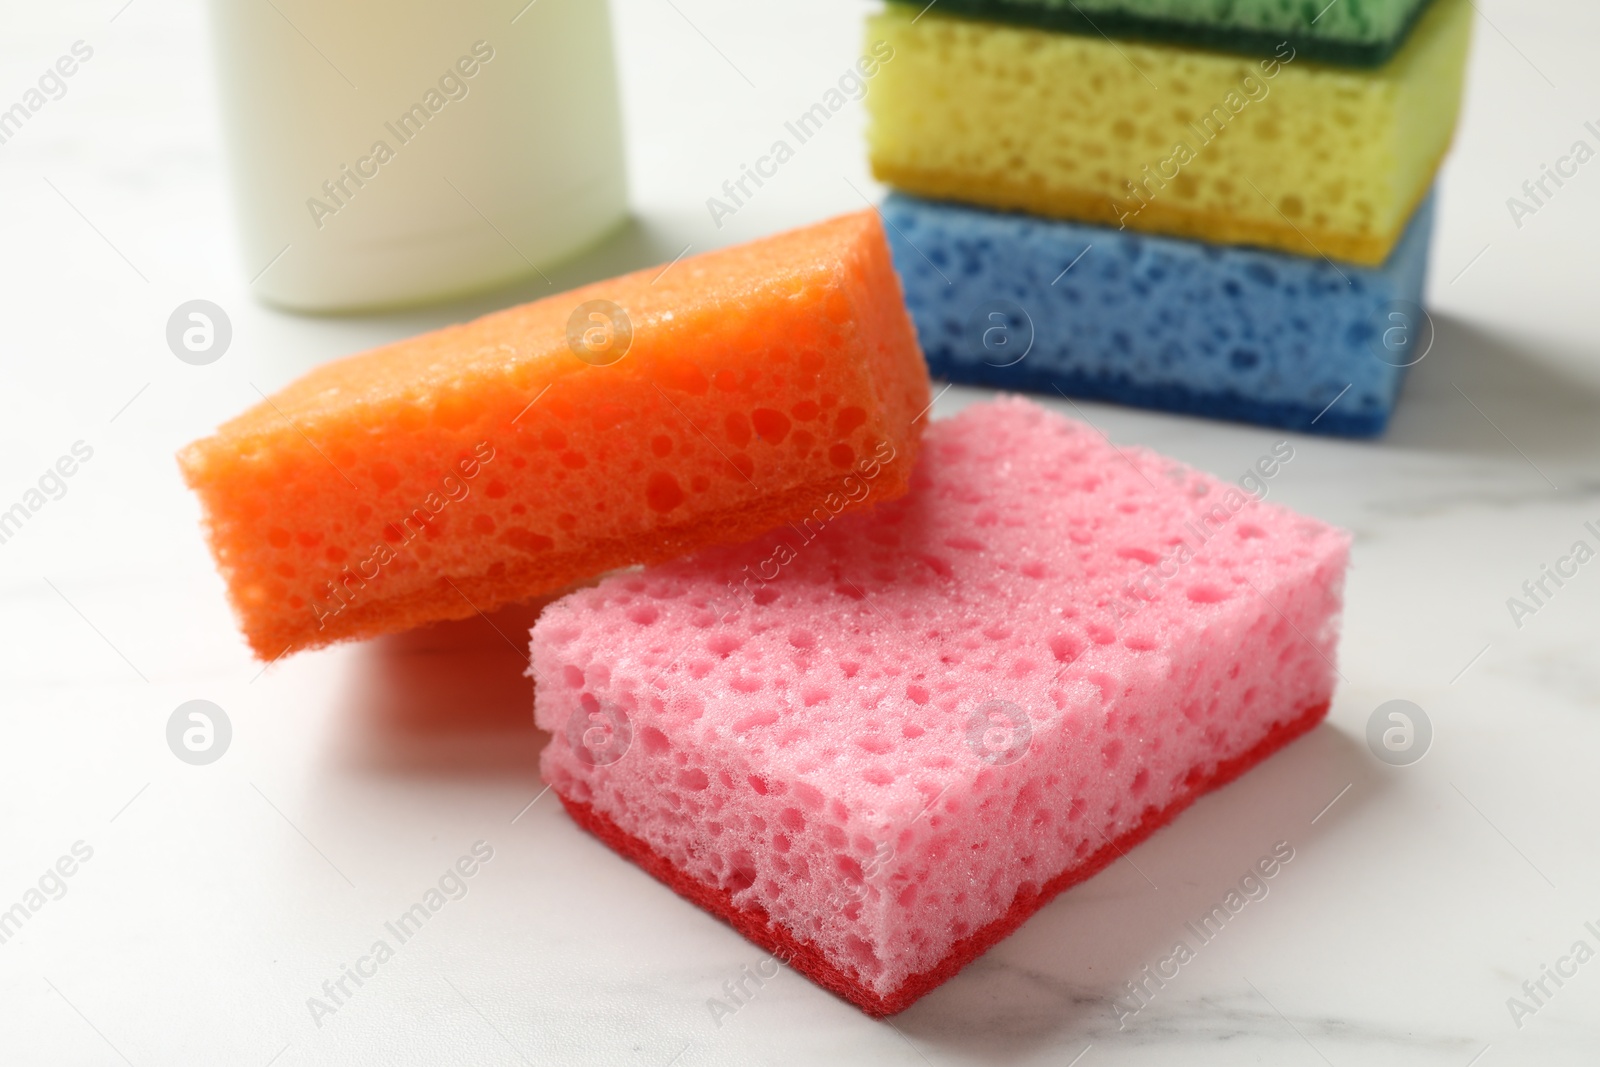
[{"x": 1279, "y": 152}]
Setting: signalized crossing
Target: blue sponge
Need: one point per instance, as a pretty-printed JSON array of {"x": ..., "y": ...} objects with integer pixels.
[{"x": 1230, "y": 332}]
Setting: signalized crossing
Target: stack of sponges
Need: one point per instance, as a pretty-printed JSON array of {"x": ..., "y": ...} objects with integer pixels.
[
  {"x": 879, "y": 692},
  {"x": 1207, "y": 206}
]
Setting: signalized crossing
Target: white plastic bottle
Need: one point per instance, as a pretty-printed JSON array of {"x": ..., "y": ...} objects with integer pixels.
[{"x": 388, "y": 152}]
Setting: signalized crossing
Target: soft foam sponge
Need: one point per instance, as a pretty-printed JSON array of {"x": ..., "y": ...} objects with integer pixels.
[
  {"x": 1278, "y": 152},
  {"x": 1353, "y": 32},
  {"x": 878, "y": 750},
  {"x": 1225, "y": 331},
  {"x": 502, "y": 459}
]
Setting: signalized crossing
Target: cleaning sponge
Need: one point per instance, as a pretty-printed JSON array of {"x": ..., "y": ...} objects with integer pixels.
[
  {"x": 1278, "y": 152},
  {"x": 1227, "y": 332},
  {"x": 877, "y": 750},
  {"x": 1352, "y": 32},
  {"x": 628, "y": 421}
]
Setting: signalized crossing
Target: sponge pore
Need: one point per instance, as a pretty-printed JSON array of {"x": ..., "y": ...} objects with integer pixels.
[
  {"x": 1279, "y": 152},
  {"x": 878, "y": 746}
]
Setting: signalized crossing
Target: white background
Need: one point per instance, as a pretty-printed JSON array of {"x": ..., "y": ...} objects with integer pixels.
[{"x": 219, "y": 898}]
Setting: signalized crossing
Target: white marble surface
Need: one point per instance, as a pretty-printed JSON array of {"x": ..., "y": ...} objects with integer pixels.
[{"x": 219, "y": 898}]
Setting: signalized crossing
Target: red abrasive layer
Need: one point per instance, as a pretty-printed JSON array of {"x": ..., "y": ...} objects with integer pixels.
[{"x": 754, "y": 924}]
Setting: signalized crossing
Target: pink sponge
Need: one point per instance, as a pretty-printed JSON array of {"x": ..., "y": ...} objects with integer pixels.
[{"x": 877, "y": 743}]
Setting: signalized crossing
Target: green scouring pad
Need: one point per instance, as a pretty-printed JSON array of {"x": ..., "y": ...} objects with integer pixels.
[{"x": 1357, "y": 33}]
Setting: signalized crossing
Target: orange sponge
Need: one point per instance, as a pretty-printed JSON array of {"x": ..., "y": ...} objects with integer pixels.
[{"x": 625, "y": 422}]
